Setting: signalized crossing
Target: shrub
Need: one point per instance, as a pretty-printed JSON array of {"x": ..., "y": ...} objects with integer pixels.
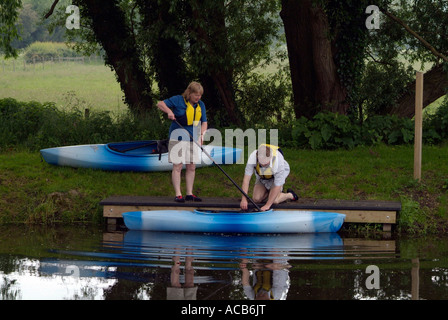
[
  {"x": 436, "y": 125},
  {"x": 330, "y": 131},
  {"x": 34, "y": 126},
  {"x": 326, "y": 131},
  {"x": 47, "y": 50}
]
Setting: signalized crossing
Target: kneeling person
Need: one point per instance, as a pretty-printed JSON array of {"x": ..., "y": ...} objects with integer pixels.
[{"x": 271, "y": 171}]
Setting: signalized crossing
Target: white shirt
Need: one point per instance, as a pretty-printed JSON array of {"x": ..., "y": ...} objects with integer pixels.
[{"x": 279, "y": 166}]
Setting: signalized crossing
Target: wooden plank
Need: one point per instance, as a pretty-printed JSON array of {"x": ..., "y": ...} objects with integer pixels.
[
  {"x": 356, "y": 211},
  {"x": 364, "y": 216},
  {"x": 418, "y": 126},
  {"x": 369, "y": 205}
]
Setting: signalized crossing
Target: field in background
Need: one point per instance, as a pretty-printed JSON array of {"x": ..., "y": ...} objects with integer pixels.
[{"x": 83, "y": 84}]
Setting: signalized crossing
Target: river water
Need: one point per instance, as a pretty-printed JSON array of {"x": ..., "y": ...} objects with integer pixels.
[{"x": 80, "y": 262}]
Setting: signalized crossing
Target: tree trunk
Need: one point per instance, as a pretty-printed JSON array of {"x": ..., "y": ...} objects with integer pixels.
[
  {"x": 167, "y": 53},
  {"x": 111, "y": 30},
  {"x": 435, "y": 82},
  {"x": 316, "y": 84},
  {"x": 212, "y": 41}
]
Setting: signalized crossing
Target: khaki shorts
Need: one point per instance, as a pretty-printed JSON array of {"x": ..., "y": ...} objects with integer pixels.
[
  {"x": 185, "y": 152},
  {"x": 181, "y": 293}
]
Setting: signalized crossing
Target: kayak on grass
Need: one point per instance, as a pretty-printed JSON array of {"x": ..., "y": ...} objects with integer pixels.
[
  {"x": 130, "y": 156},
  {"x": 271, "y": 221}
]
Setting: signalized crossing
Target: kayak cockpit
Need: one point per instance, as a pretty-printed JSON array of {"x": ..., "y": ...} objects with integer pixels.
[{"x": 139, "y": 147}]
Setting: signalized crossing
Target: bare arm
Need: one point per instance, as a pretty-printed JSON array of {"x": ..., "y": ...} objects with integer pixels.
[
  {"x": 273, "y": 194},
  {"x": 245, "y": 188},
  {"x": 162, "y": 106}
]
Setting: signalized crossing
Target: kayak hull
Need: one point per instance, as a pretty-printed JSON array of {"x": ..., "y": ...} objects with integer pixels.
[
  {"x": 271, "y": 221},
  {"x": 142, "y": 157}
]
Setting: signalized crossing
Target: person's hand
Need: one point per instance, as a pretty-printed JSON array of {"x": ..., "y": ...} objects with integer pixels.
[
  {"x": 171, "y": 116},
  {"x": 265, "y": 208},
  {"x": 243, "y": 204}
]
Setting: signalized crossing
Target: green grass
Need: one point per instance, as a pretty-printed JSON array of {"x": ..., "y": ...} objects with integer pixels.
[
  {"x": 35, "y": 192},
  {"x": 84, "y": 85}
]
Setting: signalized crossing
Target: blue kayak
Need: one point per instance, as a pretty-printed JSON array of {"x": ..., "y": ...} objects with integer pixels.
[
  {"x": 130, "y": 156},
  {"x": 271, "y": 221}
]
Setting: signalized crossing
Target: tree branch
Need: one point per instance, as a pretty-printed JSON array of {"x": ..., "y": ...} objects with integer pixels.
[
  {"x": 378, "y": 61},
  {"x": 415, "y": 34},
  {"x": 49, "y": 13}
]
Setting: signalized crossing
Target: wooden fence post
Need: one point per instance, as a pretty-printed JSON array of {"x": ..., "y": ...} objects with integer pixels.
[{"x": 418, "y": 126}]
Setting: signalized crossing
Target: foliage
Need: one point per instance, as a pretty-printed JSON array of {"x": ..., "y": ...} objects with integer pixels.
[
  {"x": 350, "y": 38},
  {"x": 332, "y": 131},
  {"x": 325, "y": 131},
  {"x": 34, "y": 126},
  {"x": 381, "y": 85},
  {"x": 265, "y": 99},
  {"x": 436, "y": 125},
  {"x": 47, "y": 50},
  {"x": 8, "y": 29}
]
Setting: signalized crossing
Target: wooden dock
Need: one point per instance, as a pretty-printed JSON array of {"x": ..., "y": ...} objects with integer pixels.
[{"x": 367, "y": 211}]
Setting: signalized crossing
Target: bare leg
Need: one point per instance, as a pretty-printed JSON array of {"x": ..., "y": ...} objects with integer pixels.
[
  {"x": 175, "y": 178},
  {"x": 260, "y": 192},
  {"x": 282, "y": 197},
  {"x": 189, "y": 177}
]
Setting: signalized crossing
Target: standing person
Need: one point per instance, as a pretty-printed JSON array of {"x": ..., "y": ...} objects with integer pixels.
[
  {"x": 190, "y": 112},
  {"x": 271, "y": 171}
]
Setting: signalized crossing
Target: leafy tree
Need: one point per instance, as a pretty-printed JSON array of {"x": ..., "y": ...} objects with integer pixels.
[
  {"x": 326, "y": 41},
  {"x": 176, "y": 41},
  {"x": 414, "y": 32},
  {"x": 8, "y": 30},
  {"x": 336, "y": 63}
]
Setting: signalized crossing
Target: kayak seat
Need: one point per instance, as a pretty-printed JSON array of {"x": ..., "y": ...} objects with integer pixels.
[{"x": 162, "y": 147}]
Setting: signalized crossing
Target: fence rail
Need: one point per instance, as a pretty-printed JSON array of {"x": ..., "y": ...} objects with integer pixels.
[{"x": 41, "y": 62}]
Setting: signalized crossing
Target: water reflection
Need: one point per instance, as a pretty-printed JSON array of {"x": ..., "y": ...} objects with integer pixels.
[
  {"x": 261, "y": 260},
  {"x": 160, "y": 266}
]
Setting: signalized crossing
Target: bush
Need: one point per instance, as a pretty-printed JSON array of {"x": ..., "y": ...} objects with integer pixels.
[
  {"x": 35, "y": 126},
  {"x": 259, "y": 98},
  {"x": 326, "y": 131},
  {"x": 331, "y": 131},
  {"x": 388, "y": 129},
  {"x": 47, "y": 50},
  {"x": 436, "y": 125}
]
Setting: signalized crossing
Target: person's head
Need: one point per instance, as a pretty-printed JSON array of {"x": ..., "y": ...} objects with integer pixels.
[
  {"x": 264, "y": 155},
  {"x": 194, "y": 92}
]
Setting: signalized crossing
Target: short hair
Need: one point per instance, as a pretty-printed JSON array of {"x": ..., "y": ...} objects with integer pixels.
[{"x": 193, "y": 87}]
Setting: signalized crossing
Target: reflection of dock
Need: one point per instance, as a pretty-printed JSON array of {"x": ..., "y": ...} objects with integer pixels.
[
  {"x": 369, "y": 247},
  {"x": 369, "y": 211}
]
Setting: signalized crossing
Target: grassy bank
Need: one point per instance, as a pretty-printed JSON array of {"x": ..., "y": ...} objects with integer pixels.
[{"x": 35, "y": 192}]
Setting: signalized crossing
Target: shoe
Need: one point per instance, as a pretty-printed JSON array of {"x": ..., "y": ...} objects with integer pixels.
[
  {"x": 192, "y": 198},
  {"x": 179, "y": 199},
  {"x": 296, "y": 197}
]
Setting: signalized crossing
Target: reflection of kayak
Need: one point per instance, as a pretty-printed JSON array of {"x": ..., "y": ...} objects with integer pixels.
[
  {"x": 271, "y": 221},
  {"x": 129, "y": 156},
  {"x": 302, "y": 244}
]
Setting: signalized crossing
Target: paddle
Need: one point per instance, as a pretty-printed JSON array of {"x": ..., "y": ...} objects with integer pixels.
[{"x": 214, "y": 162}]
